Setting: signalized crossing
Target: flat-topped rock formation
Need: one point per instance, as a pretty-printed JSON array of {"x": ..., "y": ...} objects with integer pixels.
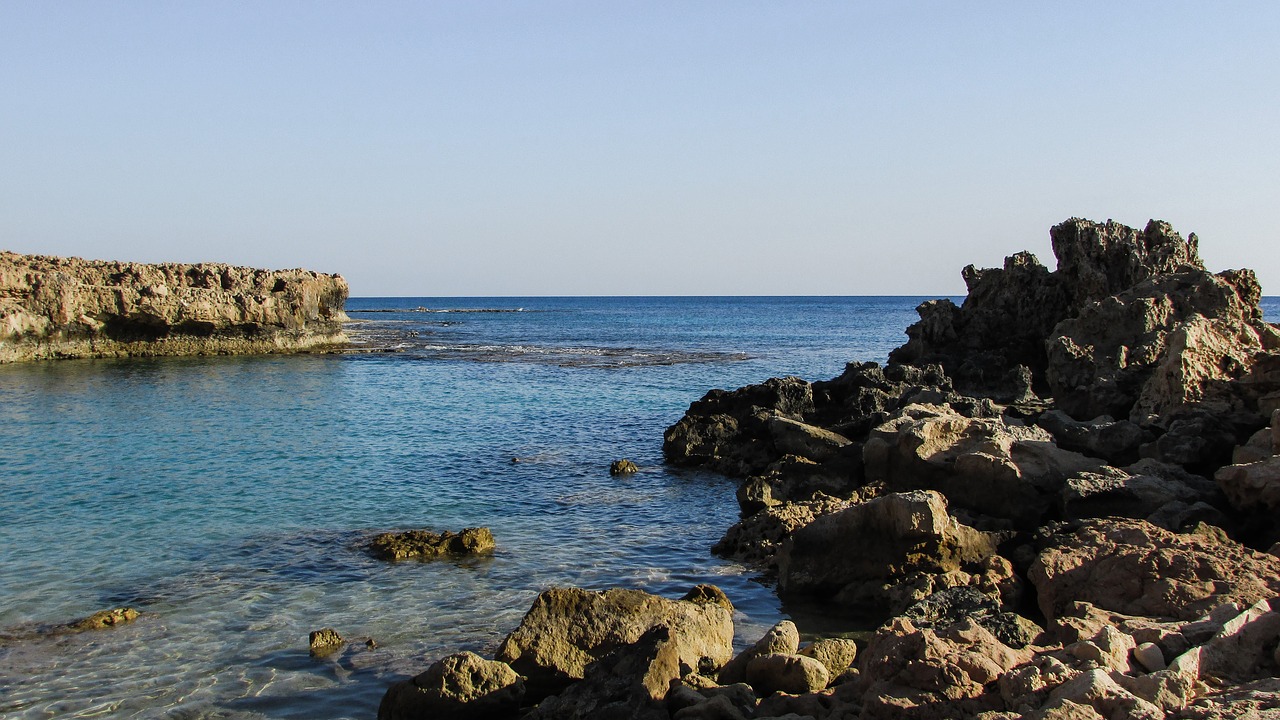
[{"x": 52, "y": 307}]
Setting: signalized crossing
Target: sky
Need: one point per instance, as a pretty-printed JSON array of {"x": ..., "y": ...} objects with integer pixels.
[{"x": 514, "y": 148}]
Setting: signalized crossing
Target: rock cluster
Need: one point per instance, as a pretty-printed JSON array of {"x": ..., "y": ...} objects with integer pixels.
[
  {"x": 1052, "y": 498},
  {"x": 53, "y": 307}
]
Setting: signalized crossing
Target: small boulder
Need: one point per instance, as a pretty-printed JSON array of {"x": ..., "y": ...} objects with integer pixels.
[
  {"x": 1149, "y": 657},
  {"x": 782, "y": 638},
  {"x": 623, "y": 467},
  {"x": 792, "y": 674},
  {"x": 326, "y": 641},
  {"x": 835, "y": 654}
]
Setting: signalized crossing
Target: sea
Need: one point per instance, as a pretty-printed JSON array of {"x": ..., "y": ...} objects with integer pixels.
[{"x": 230, "y": 499}]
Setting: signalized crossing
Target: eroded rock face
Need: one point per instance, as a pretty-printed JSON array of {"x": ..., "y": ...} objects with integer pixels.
[
  {"x": 860, "y": 553},
  {"x": 54, "y": 307},
  {"x": 1136, "y": 568},
  {"x": 1168, "y": 344},
  {"x": 457, "y": 687},
  {"x": 569, "y": 628}
]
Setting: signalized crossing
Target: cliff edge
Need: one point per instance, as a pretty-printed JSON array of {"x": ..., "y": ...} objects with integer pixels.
[{"x": 53, "y": 307}]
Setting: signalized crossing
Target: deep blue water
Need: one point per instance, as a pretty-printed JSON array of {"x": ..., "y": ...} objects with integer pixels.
[{"x": 227, "y": 498}]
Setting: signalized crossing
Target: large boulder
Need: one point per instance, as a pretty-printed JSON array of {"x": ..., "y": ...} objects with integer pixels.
[
  {"x": 857, "y": 555},
  {"x": 457, "y": 687},
  {"x": 1136, "y": 568},
  {"x": 630, "y": 682},
  {"x": 987, "y": 465},
  {"x": 53, "y": 307},
  {"x": 567, "y": 629}
]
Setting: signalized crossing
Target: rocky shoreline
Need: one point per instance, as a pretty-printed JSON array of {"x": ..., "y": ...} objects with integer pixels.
[
  {"x": 52, "y": 307},
  {"x": 1058, "y": 497}
]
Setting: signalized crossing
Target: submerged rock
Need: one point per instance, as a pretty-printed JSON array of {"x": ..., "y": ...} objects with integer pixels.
[
  {"x": 102, "y": 619},
  {"x": 427, "y": 544},
  {"x": 52, "y": 307}
]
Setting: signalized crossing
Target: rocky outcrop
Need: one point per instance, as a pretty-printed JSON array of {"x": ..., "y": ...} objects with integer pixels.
[
  {"x": 993, "y": 344},
  {"x": 428, "y": 544},
  {"x": 53, "y": 307}
]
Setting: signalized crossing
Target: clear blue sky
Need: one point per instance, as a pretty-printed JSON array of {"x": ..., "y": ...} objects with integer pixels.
[{"x": 514, "y": 148}]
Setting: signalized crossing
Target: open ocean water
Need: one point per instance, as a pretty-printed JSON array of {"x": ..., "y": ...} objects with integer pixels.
[{"x": 228, "y": 498}]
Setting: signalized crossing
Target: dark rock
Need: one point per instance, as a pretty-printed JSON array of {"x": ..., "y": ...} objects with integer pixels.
[
  {"x": 947, "y": 607},
  {"x": 623, "y": 467},
  {"x": 427, "y": 544},
  {"x": 1115, "y": 441}
]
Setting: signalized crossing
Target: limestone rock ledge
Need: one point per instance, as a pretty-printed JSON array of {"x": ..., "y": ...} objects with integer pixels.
[{"x": 53, "y": 307}]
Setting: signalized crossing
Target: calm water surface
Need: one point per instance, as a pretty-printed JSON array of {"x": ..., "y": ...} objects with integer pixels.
[{"x": 228, "y": 498}]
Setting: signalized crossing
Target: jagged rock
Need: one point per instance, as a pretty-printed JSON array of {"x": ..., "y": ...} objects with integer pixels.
[
  {"x": 729, "y": 431},
  {"x": 796, "y": 479},
  {"x": 909, "y": 672},
  {"x": 1258, "y": 700},
  {"x": 103, "y": 619},
  {"x": 835, "y": 654},
  {"x": 1167, "y": 345},
  {"x": 324, "y": 642},
  {"x": 1254, "y": 486},
  {"x": 53, "y": 307},
  {"x": 623, "y": 467},
  {"x": 988, "y": 466},
  {"x": 458, "y": 687},
  {"x": 566, "y": 629},
  {"x": 630, "y": 682},
  {"x": 896, "y": 536},
  {"x": 947, "y": 607},
  {"x": 427, "y": 544},
  {"x": 1136, "y": 568},
  {"x": 757, "y": 538},
  {"x": 866, "y": 394},
  {"x": 782, "y": 638},
  {"x": 1096, "y": 689},
  {"x": 1116, "y": 441},
  {"x": 788, "y": 673}
]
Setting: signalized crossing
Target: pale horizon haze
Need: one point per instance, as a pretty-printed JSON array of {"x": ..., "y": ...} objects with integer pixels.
[{"x": 622, "y": 148}]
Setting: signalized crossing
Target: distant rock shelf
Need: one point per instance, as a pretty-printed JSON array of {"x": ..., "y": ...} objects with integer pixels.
[{"x": 53, "y": 307}]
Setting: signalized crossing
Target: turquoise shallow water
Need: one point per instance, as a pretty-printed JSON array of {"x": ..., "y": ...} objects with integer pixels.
[{"x": 227, "y": 498}]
